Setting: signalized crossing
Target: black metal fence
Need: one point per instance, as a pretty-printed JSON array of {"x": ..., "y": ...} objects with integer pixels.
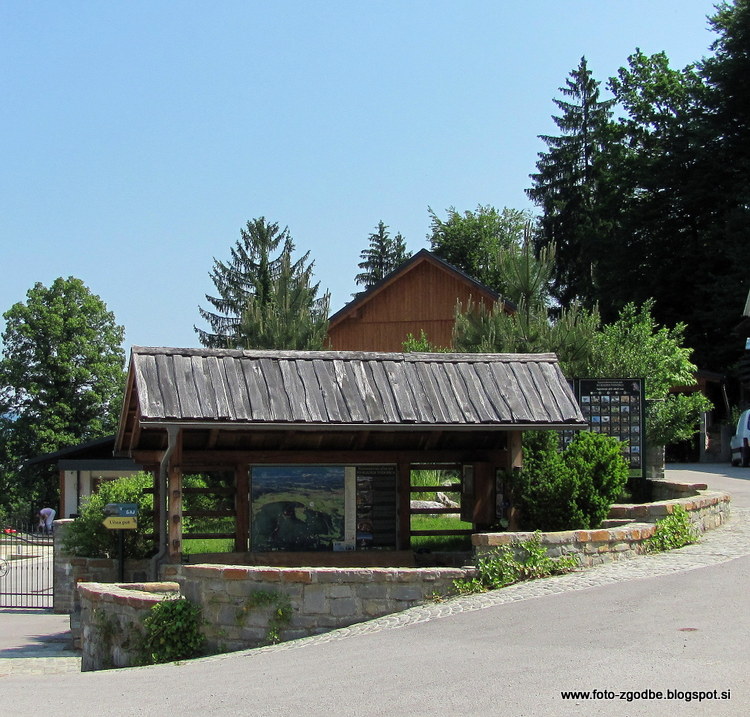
[{"x": 26, "y": 560}]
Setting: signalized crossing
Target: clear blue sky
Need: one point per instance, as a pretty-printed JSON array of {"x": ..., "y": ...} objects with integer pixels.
[{"x": 136, "y": 138}]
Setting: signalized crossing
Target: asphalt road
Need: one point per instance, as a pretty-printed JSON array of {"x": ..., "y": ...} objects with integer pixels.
[{"x": 686, "y": 631}]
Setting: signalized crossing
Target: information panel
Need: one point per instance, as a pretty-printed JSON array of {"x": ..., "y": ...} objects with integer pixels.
[
  {"x": 377, "y": 515},
  {"x": 616, "y": 407}
]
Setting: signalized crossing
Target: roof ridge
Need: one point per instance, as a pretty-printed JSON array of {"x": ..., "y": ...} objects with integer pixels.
[{"x": 441, "y": 357}]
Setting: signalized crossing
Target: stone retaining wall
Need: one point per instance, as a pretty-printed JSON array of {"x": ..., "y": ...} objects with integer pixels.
[
  {"x": 112, "y": 621},
  {"x": 238, "y": 602},
  {"x": 707, "y": 510},
  {"x": 69, "y": 571}
]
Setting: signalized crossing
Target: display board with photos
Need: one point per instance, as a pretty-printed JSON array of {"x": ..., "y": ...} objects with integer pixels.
[
  {"x": 616, "y": 407},
  {"x": 377, "y": 515}
]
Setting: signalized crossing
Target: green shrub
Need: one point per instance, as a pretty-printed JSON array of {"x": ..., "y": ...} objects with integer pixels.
[
  {"x": 172, "y": 631},
  {"x": 674, "y": 531},
  {"x": 601, "y": 472},
  {"x": 545, "y": 491},
  {"x": 572, "y": 489},
  {"x": 524, "y": 560},
  {"x": 88, "y": 538}
]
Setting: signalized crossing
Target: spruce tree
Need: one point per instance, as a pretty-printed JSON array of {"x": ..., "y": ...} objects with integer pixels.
[
  {"x": 570, "y": 188},
  {"x": 264, "y": 300},
  {"x": 384, "y": 254}
]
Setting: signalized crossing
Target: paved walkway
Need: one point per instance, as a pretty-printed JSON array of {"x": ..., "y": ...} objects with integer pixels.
[{"x": 44, "y": 650}]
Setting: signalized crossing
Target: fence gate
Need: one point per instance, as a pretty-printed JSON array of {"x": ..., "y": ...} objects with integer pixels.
[{"x": 25, "y": 566}]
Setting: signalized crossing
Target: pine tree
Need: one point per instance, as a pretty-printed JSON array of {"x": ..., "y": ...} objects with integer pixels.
[
  {"x": 530, "y": 329},
  {"x": 384, "y": 254},
  {"x": 569, "y": 185},
  {"x": 264, "y": 301}
]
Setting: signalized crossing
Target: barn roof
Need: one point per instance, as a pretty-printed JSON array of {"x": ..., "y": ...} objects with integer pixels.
[{"x": 347, "y": 389}]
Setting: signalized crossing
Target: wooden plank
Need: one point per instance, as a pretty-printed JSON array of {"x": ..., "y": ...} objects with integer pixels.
[
  {"x": 242, "y": 504},
  {"x": 334, "y": 401},
  {"x": 457, "y": 531},
  {"x": 543, "y": 396},
  {"x": 449, "y": 404},
  {"x": 278, "y": 400},
  {"x": 400, "y": 388},
  {"x": 367, "y": 393},
  {"x": 257, "y": 391},
  {"x": 567, "y": 406},
  {"x": 458, "y": 389},
  {"x": 423, "y": 406},
  {"x": 183, "y": 379},
  {"x": 218, "y": 380},
  {"x": 508, "y": 387},
  {"x": 404, "y": 506},
  {"x": 149, "y": 391},
  {"x": 344, "y": 377},
  {"x": 166, "y": 382},
  {"x": 313, "y": 398},
  {"x": 478, "y": 394},
  {"x": 434, "y": 511},
  {"x": 205, "y": 391},
  {"x": 431, "y": 392},
  {"x": 236, "y": 389},
  {"x": 295, "y": 391},
  {"x": 526, "y": 392},
  {"x": 383, "y": 382},
  {"x": 494, "y": 393}
]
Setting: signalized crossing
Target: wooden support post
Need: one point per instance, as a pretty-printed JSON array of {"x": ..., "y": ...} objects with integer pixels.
[
  {"x": 515, "y": 453},
  {"x": 242, "y": 507},
  {"x": 404, "y": 506},
  {"x": 515, "y": 461},
  {"x": 174, "y": 503},
  {"x": 158, "y": 515},
  {"x": 484, "y": 496}
]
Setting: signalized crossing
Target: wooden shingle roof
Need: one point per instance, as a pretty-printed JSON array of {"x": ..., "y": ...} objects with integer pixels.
[{"x": 349, "y": 389}]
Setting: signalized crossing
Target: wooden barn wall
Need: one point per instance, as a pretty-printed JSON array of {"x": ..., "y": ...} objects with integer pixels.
[{"x": 424, "y": 299}]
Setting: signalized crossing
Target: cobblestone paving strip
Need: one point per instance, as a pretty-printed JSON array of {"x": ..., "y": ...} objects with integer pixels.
[{"x": 728, "y": 542}]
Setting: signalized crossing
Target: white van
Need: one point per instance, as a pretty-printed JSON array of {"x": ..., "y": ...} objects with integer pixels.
[{"x": 740, "y": 442}]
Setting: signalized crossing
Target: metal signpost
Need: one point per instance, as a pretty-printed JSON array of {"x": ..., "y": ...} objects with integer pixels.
[{"x": 120, "y": 517}]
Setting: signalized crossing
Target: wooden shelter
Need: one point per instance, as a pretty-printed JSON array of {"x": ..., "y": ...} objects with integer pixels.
[
  {"x": 420, "y": 295},
  {"x": 82, "y": 468},
  {"x": 299, "y": 442}
]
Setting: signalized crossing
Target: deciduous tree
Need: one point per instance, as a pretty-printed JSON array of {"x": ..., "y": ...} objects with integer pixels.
[{"x": 61, "y": 381}]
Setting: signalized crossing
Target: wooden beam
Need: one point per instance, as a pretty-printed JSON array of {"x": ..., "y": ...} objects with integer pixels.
[
  {"x": 174, "y": 502},
  {"x": 242, "y": 506},
  {"x": 404, "y": 506},
  {"x": 194, "y": 459}
]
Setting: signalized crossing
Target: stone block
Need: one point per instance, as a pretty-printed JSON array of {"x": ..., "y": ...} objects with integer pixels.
[
  {"x": 344, "y": 607},
  {"x": 407, "y": 593},
  {"x": 340, "y": 591},
  {"x": 314, "y": 599}
]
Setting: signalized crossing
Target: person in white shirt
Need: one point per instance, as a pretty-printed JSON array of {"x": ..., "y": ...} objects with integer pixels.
[{"x": 46, "y": 517}]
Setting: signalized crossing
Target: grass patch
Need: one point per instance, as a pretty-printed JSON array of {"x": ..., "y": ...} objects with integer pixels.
[
  {"x": 439, "y": 542},
  {"x": 195, "y": 546}
]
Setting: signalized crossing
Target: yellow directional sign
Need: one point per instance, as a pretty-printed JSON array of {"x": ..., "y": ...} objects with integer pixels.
[{"x": 114, "y": 522}]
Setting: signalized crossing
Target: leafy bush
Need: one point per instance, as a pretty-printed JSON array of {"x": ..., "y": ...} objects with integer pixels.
[
  {"x": 545, "y": 490},
  {"x": 674, "y": 531},
  {"x": 573, "y": 489},
  {"x": 596, "y": 462},
  {"x": 172, "y": 631},
  {"x": 88, "y": 538},
  {"x": 525, "y": 560}
]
